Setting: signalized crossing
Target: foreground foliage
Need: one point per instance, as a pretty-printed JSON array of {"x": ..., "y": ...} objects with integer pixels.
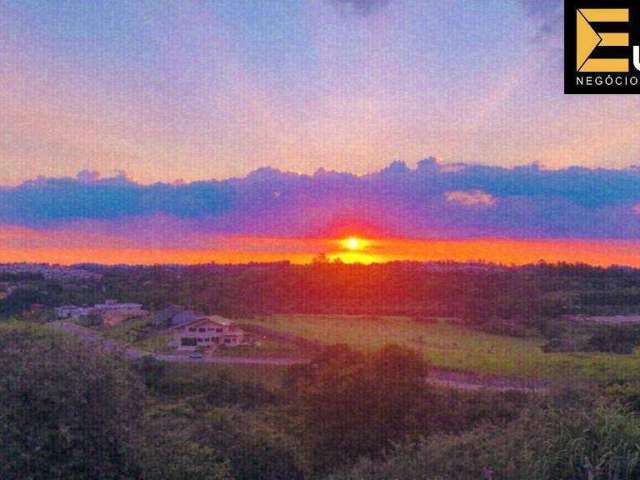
[
  {"x": 600, "y": 442},
  {"x": 64, "y": 411},
  {"x": 70, "y": 412}
]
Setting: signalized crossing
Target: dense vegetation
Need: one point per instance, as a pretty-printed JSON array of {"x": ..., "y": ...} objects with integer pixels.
[
  {"x": 363, "y": 411},
  {"x": 548, "y": 442},
  {"x": 477, "y": 293},
  {"x": 67, "y": 411}
]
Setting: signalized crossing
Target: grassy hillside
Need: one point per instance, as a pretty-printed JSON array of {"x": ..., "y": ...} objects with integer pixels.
[{"x": 458, "y": 347}]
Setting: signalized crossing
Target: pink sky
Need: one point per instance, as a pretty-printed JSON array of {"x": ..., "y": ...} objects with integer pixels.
[{"x": 332, "y": 89}]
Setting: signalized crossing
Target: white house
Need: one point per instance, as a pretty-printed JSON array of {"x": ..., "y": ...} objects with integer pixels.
[{"x": 207, "y": 333}]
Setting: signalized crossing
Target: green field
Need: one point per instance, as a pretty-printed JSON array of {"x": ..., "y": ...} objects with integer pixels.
[
  {"x": 457, "y": 347},
  {"x": 138, "y": 333}
]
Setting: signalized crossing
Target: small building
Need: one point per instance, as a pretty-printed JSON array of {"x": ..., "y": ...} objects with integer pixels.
[
  {"x": 132, "y": 309},
  {"x": 111, "y": 313},
  {"x": 207, "y": 333},
  {"x": 71, "y": 311}
]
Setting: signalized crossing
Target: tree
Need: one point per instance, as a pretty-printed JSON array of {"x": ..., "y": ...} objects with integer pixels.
[
  {"x": 253, "y": 448},
  {"x": 356, "y": 404},
  {"x": 584, "y": 442},
  {"x": 171, "y": 452},
  {"x": 21, "y": 300},
  {"x": 66, "y": 412}
]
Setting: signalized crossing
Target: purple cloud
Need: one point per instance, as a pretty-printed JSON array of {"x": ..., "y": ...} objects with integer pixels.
[{"x": 431, "y": 200}]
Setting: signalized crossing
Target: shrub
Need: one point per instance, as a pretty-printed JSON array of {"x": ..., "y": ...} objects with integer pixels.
[
  {"x": 65, "y": 411},
  {"x": 602, "y": 443},
  {"x": 615, "y": 339},
  {"x": 354, "y": 404}
]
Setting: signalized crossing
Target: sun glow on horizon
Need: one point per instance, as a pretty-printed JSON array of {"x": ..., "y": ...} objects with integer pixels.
[
  {"x": 354, "y": 243},
  {"x": 354, "y": 249},
  {"x": 81, "y": 246}
]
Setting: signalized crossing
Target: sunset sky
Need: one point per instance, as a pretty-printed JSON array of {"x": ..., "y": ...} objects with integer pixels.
[{"x": 250, "y": 130}]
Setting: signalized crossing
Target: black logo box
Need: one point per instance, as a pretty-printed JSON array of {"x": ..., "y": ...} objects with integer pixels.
[{"x": 633, "y": 28}]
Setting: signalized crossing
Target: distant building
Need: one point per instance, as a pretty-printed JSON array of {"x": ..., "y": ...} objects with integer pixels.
[
  {"x": 207, "y": 333},
  {"x": 111, "y": 312},
  {"x": 71, "y": 311},
  {"x": 133, "y": 309}
]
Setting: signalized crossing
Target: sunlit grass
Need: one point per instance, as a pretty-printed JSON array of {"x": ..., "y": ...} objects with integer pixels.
[
  {"x": 458, "y": 347},
  {"x": 138, "y": 333}
]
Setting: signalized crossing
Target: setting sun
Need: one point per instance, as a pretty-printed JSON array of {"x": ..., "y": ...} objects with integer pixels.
[{"x": 353, "y": 243}]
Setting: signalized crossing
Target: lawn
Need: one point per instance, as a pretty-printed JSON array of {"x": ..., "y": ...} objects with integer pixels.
[
  {"x": 139, "y": 333},
  {"x": 453, "y": 346}
]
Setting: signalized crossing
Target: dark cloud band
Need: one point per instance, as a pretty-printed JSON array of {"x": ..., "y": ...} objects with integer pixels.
[{"x": 432, "y": 199}]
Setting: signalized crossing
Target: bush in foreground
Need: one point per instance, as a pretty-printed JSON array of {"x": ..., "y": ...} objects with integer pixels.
[
  {"x": 602, "y": 443},
  {"x": 65, "y": 412}
]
